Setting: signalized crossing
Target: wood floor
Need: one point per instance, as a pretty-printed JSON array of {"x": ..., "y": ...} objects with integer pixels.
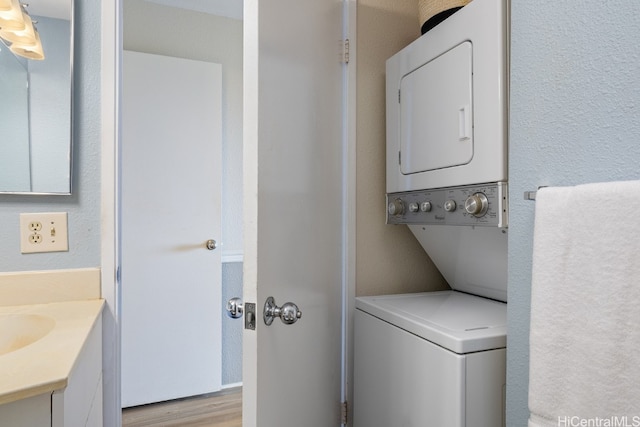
[{"x": 222, "y": 409}]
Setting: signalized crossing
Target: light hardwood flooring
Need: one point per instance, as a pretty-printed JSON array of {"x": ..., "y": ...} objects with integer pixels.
[{"x": 222, "y": 409}]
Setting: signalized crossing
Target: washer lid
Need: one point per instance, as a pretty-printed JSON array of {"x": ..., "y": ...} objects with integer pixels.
[{"x": 460, "y": 322}]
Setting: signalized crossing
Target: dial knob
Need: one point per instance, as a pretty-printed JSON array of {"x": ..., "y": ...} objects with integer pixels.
[
  {"x": 425, "y": 206},
  {"x": 476, "y": 204},
  {"x": 413, "y": 207},
  {"x": 396, "y": 207},
  {"x": 450, "y": 205}
]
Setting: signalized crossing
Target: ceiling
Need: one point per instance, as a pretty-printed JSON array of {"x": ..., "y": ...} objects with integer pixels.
[
  {"x": 60, "y": 8},
  {"x": 227, "y": 8},
  {"x": 52, "y": 8}
]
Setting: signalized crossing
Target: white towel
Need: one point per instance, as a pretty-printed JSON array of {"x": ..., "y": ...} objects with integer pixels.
[{"x": 585, "y": 306}]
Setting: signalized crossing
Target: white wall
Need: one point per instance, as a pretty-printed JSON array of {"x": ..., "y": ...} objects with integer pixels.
[{"x": 575, "y": 99}]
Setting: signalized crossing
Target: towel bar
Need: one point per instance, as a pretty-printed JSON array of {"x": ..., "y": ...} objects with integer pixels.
[{"x": 531, "y": 195}]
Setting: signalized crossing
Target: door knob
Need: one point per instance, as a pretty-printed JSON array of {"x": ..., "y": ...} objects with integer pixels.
[
  {"x": 288, "y": 313},
  {"x": 211, "y": 244},
  {"x": 235, "y": 308}
]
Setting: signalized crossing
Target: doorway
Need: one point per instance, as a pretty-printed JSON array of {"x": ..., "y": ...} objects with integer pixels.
[{"x": 160, "y": 29}]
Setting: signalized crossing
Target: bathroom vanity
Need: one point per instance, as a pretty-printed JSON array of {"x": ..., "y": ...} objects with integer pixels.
[{"x": 50, "y": 357}]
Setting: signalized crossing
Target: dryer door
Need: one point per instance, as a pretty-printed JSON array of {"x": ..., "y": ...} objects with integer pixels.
[{"x": 436, "y": 113}]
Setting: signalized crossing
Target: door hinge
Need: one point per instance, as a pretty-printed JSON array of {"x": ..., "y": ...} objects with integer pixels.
[
  {"x": 345, "y": 51},
  {"x": 344, "y": 413},
  {"x": 399, "y": 157},
  {"x": 398, "y": 96}
]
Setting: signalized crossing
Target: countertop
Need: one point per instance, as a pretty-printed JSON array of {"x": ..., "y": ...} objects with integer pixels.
[{"x": 45, "y": 365}]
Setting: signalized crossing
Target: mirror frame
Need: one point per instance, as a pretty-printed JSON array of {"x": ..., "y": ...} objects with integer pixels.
[{"x": 71, "y": 133}]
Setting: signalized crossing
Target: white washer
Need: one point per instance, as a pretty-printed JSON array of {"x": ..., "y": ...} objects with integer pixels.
[{"x": 433, "y": 359}]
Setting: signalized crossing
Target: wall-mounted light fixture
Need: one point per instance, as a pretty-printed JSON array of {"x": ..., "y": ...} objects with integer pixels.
[{"x": 18, "y": 31}]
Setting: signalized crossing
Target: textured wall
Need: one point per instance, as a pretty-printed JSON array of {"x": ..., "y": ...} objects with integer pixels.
[
  {"x": 193, "y": 35},
  {"x": 388, "y": 258},
  {"x": 575, "y": 99},
  {"x": 84, "y": 205},
  {"x": 231, "y": 328}
]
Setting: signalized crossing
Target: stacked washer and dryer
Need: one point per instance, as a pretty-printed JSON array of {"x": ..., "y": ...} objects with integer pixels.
[{"x": 438, "y": 358}]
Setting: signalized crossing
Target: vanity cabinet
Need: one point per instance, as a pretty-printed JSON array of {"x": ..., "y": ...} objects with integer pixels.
[
  {"x": 30, "y": 412},
  {"x": 79, "y": 404}
]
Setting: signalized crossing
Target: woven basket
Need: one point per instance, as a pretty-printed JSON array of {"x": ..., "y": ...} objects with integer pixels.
[{"x": 432, "y": 12}]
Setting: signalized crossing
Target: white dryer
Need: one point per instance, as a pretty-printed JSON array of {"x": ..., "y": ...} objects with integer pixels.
[
  {"x": 447, "y": 97},
  {"x": 433, "y": 359}
]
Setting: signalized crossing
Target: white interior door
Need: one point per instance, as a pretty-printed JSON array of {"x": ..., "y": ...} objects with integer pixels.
[
  {"x": 293, "y": 228},
  {"x": 171, "y": 283}
]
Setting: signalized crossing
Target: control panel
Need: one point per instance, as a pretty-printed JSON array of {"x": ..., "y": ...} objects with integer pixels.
[{"x": 482, "y": 205}]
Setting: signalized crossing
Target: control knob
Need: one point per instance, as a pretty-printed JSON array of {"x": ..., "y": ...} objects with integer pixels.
[
  {"x": 450, "y": 205},
  {"x": 425, "y": 206},
  {"x": 477, "y": 204},
  {"x": 413, "y": 207},
  {"x": 396, "y": 207}
]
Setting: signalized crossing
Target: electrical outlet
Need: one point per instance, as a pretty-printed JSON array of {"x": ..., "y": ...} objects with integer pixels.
[
  {"x": 43, "y": 232},
  {"x": 35, "y": 238}
]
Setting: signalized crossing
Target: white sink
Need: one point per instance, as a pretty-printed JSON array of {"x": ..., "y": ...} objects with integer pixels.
[{"x": 19, "y": 330}]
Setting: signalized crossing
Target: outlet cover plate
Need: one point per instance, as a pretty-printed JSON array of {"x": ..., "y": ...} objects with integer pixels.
[{"x": 43, "y": 232}]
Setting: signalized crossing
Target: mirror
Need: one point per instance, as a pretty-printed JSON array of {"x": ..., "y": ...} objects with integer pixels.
[{"x": 36, "y": 107}]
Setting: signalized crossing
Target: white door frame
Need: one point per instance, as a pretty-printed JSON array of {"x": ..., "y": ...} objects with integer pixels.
[
  {"x": 349, "y": 201},
  {"x": 111, "y": 52}
]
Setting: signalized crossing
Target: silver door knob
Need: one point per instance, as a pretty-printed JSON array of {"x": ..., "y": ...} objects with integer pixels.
[
  {"x": 235, "y": 308},
  {"x": 211, "y": 244},
  {"x": 288, "y": 313}
]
